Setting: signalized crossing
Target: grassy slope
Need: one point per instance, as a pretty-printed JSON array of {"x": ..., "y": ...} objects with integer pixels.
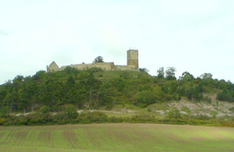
[{"x": 116, "y": 137}]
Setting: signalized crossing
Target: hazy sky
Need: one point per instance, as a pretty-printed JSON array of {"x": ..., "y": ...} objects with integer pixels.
[{"x": 191, "y": 35}]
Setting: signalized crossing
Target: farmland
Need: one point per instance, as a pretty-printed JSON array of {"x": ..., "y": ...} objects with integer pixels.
[{"x": 116, "y": 137}]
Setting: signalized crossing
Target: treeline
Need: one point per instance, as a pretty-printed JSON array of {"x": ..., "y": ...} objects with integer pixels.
[
  {"x": 72, "y": 117},
  {"x": 96, "y": 88}
]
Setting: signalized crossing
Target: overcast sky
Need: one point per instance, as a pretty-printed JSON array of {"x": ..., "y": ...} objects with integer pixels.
[{"x": 191, "y": 35}]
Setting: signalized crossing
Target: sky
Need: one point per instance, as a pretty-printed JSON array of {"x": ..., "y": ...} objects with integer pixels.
[{"x": 191, "y": 35}]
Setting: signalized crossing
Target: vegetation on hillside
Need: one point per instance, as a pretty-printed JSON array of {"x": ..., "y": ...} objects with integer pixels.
[{"x": 68, "y": 90}]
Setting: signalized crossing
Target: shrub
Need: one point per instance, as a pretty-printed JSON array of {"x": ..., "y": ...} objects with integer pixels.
[
  {"x": 174, "y": 113},
  {"x": 142, "y": 118},
  {"x": 97, "y": 117},
  {"x": 44, "y": 109},
  {"x": 94, "y": 70},
  {"x": 2, "y": 121},
  {"x": 4, "y": 112},
  {"x": 70, "y": 111},
  {"x": 232, "y": 109},
  {"x": 115, "y": 119}
]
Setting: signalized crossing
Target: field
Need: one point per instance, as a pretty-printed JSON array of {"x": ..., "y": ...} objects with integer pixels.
[{"x": 116, "y": 137}]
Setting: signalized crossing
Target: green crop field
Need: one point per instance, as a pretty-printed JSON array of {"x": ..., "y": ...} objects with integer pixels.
[{"x": 116, "y": 137}]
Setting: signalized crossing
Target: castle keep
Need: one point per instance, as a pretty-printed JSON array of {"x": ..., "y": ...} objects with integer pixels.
[{"x": 132, "y": 64}]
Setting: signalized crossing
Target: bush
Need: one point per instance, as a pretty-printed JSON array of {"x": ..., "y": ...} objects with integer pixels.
[
  {"x": 70, "y": 111},
  {"x": 4, "y": 112},
  {"x": 174, "y": 113},
  {"x": 97, "y": 117},
  {"x": 94, "y": 70},
  {"x": 2, "y": 121},
  {"x": 44, "y": 109},
  {"x": 143, "y": 118},
  {"x": 232, "y": 109},
  {"x": 115, "y": 119}
]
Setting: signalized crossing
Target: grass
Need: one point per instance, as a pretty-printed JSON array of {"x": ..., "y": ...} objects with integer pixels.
[{"x": 116, "y": 137}]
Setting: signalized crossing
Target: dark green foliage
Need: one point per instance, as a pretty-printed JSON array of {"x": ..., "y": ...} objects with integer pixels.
[
  {"x": 93, "y": 117},
  {"x": 44, "y": 109},
  {"x": 226, "y": 95},
  {"x": 142, "y": 118},
  {"x": 149, "y": 96},
  {"x": 160, "y": 72},
  {"x": 4, "y": 112},
  {"x": 98, "y": 59},
  {"x": 86, "y": 89},
  {"x": 174, "y": 113},
  {"x": 144, "y": 70},
  {"x": 70, "y": 70},
  {"x": 94, "y": 70},
  {"x": 70, "y": 111},
  {"x": 170, "y": 73},
  {"x": 232, "y": 109}
]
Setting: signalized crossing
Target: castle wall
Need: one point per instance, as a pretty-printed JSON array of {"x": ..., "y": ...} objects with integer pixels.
[
  {"x": 124, "y": 67},
  {"x": 132, "y": 64},
  {"x": 105, "y": 66}
]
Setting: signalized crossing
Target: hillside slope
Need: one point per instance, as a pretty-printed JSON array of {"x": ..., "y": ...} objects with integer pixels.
[{"x": 95, "y": 89}]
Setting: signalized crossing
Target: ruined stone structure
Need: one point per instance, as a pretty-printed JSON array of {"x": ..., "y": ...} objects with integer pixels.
[{"x": 132, "y": 64}]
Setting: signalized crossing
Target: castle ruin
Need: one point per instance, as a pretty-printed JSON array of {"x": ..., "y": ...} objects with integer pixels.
[{"x": 132, "y": 64}]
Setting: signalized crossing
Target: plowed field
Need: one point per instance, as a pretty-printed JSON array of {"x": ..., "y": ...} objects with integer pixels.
[{"x": 116, "y": 137}]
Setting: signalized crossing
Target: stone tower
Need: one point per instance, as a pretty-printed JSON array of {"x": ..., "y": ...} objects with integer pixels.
[{"x": 132, "y": 56}]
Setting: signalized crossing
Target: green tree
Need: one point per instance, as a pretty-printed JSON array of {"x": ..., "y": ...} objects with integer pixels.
[
  {"x": 31, "y": 91},
  {"x": 170, "y": 73},
  {"x": 98, "y": 59},
  {"x": 144, "y": 70},
  {"x": 186, "y": 76},
  {"x": 4, "y": 111},
  {"x": 160, "y": 72},
  {"x": 174, "y": 113},
  {"x": 93, "y": 89},
  {"x": 147, "y": 97},
  {"x": 44, "y": 109},
  {"x": 70, "y": 81},
  {"x": 206, "y": 76},
  {"x": 70, "y": 111}
]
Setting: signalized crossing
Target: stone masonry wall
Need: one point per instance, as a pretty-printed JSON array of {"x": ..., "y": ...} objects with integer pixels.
[{"x": 132, "y": 64}]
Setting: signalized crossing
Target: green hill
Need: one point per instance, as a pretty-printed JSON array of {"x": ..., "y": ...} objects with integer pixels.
[{"x": 95, "y": 89}]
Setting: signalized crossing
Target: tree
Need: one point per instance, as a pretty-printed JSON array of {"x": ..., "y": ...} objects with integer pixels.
[
  {"x": 170, "y": 73},
  {"x": 4, "y": 111},
  {"x": 149, "y": 96},
  {"x": 206, "y": 76},
  {"x": 98, "y": 59},
  {"x": 70, "y": 81},
  {"x": 44, "y": 109},
  {"x": 160, "y": 72},
  {"x": 70, "y": 70},
  {"x": 144, "y": 70},
  {"x": 174, "y": 113},
  {"x": 187, "y": 76},
  {"x": 70, "y": 111},
  {"x": 93, "y": 89}
]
